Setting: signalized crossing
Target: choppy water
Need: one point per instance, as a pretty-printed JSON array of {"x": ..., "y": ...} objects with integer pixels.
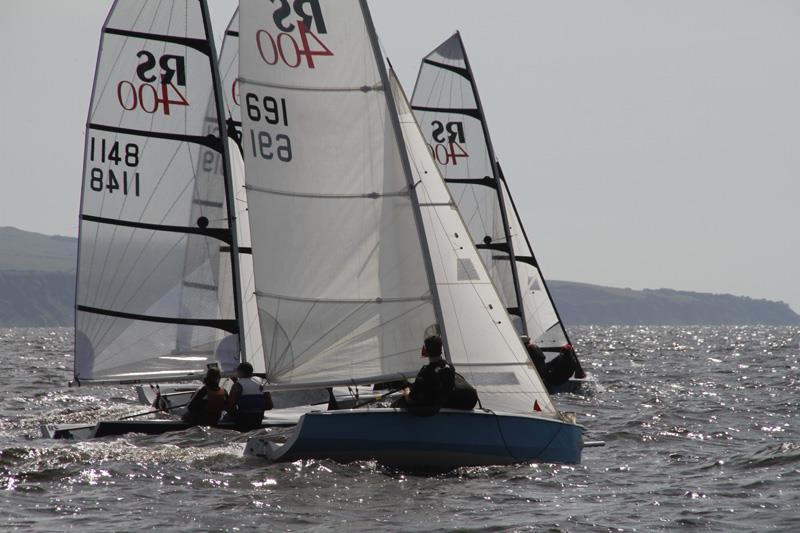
[{"x": 701, "y": 426}]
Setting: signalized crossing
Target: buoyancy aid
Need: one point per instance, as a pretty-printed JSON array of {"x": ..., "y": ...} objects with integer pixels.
[
  {"x": 216, "y": 401},
  {"x": 252, "y": 399}
]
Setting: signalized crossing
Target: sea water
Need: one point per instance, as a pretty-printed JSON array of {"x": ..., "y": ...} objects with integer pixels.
[{"x": 700, "y": 425}]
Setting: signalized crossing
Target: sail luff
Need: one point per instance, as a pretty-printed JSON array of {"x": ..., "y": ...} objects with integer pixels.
[
  {"x": 495, "y": 171},
  {"x": 393, "y": 117},
  {"x": 530, "y": 251},
  {"x": 230, "y": 198},
  {"x": 83, "y": 189}
]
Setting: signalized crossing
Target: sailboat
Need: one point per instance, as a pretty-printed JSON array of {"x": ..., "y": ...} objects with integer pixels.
[
  {"x": 158, "y": 295},
  {"x": 367, "y": 253},
  {"x": 450, "y": 113}
]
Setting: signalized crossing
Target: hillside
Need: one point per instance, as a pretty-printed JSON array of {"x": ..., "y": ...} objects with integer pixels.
[
  {"x": 582, "y": 303},
  {"x": 25, "y": 250},
  {"x": 37, "y": 288}
]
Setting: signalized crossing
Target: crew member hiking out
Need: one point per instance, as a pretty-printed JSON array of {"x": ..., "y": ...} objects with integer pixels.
[
  {"x": 433, "y": 384},
  {"x": 207, "y": 402},
  {"x": 247, "y": 401}
]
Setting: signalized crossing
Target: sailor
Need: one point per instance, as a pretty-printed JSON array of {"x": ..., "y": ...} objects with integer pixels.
[
  {"x": 563, "y": 366},
  {"x": 247, "y": 400},
  {"x": 207, "y": 402},
  {"x": 537, "y": 356},
  {"x": 433, "y": 384}
]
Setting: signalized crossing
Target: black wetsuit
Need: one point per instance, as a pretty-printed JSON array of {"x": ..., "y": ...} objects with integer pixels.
[
  {"x": 433, "y": 384},
  {"x": 537, "y": 356}
]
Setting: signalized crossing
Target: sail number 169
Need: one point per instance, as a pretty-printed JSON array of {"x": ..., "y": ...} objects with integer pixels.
[{"x": 265, "y": 144}]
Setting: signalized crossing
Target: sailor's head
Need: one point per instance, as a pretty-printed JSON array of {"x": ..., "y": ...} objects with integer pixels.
[
  {"x": 432, "y": 347},
  {"x": 567, "y": 348},
  {"x": 244, "y": 370},
  {"x": 212, "y": 377}
]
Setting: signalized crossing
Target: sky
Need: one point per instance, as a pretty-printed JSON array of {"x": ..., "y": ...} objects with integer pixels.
[{"x": 647, "y": 144}]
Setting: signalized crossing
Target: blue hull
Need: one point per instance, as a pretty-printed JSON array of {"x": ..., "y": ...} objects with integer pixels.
[{"x": 447, "y": 440}]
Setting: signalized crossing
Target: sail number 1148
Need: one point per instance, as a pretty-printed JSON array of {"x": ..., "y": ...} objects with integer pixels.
[{"x": 114, "y": 154}]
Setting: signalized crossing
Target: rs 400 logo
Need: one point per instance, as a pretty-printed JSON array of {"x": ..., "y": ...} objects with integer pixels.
[
  {"x": 160, "y": 83},
  {"x": 298, "y": 43},
  {"x": 448, "y": 142}
]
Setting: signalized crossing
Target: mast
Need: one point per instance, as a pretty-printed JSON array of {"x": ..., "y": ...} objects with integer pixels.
[
  {"x": 498, "y": 189},
  {"x": 401, "y": 145},
  {"x": 230, "y": 200}
]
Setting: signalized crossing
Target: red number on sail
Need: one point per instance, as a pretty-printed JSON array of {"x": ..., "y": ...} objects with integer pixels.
[
  {"x": 447, "y": 154},
  {"x": 285, "y": 47},
  {"x": 165, "y": 98},
  {"x": 147, "y": 99},
  {"x": 306, "y": 51}
]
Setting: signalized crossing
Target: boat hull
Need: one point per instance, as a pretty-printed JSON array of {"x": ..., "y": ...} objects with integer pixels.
[{"x": 447, "y": 440}]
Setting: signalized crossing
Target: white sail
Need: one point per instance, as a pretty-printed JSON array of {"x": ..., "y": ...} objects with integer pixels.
[
  {"x": 343, "y": 293},
  {"x": 229, "y": 71},
  {"x": 447, "y": 106},
  {"x": 482, "y": 342},
  {"x": 154, "y": 202}
]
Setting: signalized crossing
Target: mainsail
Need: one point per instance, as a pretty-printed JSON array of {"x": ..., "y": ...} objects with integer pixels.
[
  {"x": 156, "y": 202},
  {"x": 448, "y": 108},
  {"x": 366, "y": 250}
]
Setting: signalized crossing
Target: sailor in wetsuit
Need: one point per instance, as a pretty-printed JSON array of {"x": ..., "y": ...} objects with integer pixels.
[
  {"x": 207, "y": 402},
  {"x": 433, "y": 384},
  {"x": 247, "y": 402}
]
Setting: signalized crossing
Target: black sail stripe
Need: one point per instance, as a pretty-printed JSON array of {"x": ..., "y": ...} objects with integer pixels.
[
  {"x": 497, "y": 246},
  {"x": 452, "y": 68},
  {"x": 201, "y": 45},
  {"x": 519, "y": 258},
  {"x": 209, "y": 140},
  {"x": 474, "y": 113},
  {"x": 207, "y": 203},
  {"x": 227, "y": 325},
  {"x": 216, "y": 233},
  {"x": 200, "y": 286},
  {"x": 242, "y": 249},
  {"x": 485, "y": 181},
  {"x": 232, "y": 33}
]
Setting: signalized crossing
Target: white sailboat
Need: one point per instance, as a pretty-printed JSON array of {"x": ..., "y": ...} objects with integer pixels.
[
  {"x": 366, "y": 252},
  {"x": 449, "y": 110},
  {"x": 158, "y": 294}
]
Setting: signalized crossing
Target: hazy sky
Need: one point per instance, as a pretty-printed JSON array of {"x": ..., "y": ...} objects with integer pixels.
[{"x": 649, "y": 144}]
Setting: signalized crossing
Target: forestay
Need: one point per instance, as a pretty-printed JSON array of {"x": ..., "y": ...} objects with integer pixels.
[
  {"x": 343, "y": 293},
  {"x": 447, "y": 106},
  {"x": 229, "y": 72},
  {"x": 154, "y": 208},
  {"x": 482, "y": 342}
]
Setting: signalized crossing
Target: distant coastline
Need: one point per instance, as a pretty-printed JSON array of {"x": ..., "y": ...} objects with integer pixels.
[{"x": 37, "y": 288}]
